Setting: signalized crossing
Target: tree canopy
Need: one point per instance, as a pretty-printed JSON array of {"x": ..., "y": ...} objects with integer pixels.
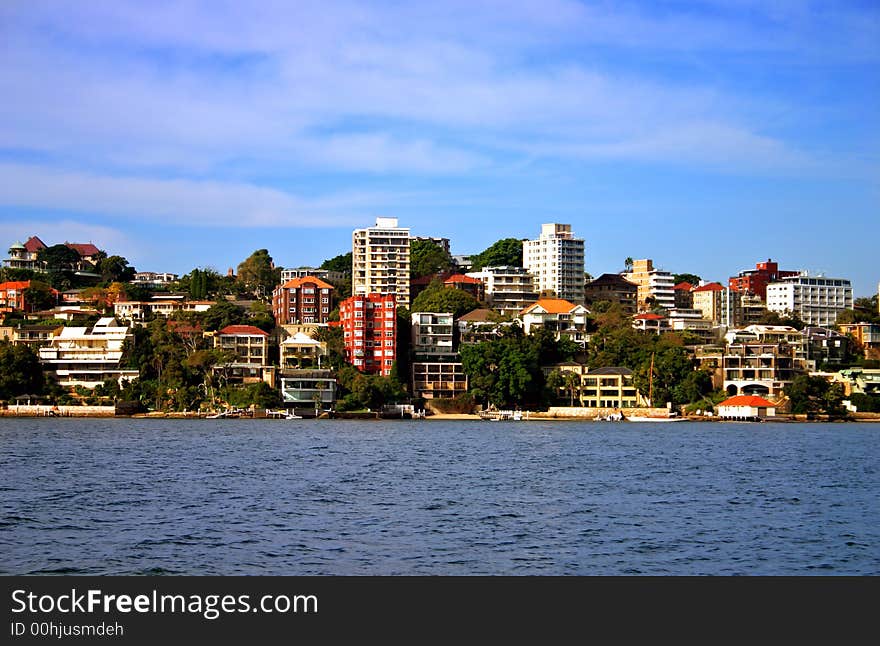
[
  {"x": 439, "y": 298},
  {"x": 508, "y": 251},
  {"x": 257, "y": 273},
  {"x": 693, "y": 279},
  {"x": 115, "y": 269},
  {"x": 427, "y": 258},
  {"x": 20, "y": 371},
  {"x": 58, "y": 258},
  {"x": 812, "y": 395},
  {"x": 340, "y": 263}
]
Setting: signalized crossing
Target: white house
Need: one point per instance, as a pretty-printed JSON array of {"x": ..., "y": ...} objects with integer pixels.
[{"x": 746, "y": 407}]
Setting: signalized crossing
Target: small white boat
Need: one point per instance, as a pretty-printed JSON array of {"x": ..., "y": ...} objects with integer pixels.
[
  {"x": 638, "y": 418},
  {"x": 292, "y": 415}
]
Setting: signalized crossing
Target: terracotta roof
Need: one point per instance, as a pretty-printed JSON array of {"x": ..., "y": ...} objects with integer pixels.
[
  {"x": 649, "y": 316},
  {"x": 751, "y": 401},
  {"x": 243, "y": 329},
  {"x": 16, "y": 284},
  {"x": 34, "y": 244},
  {"x": 686, "y": 286},
  {"x": 551, "y": 306},
  {"x": 83, "y": 249},
  {"x": 461, "y": 278},
  {"x": 477, "y": 316},
  {"x": 299, "y": 282},
  {"x": 711, "y": 287}
]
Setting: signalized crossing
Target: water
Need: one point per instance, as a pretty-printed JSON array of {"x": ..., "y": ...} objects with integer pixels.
[{"x": 123, "y": 496}]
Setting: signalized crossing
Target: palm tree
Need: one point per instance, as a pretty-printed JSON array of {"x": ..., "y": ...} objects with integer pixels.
[{"x": 628, "y": 264}]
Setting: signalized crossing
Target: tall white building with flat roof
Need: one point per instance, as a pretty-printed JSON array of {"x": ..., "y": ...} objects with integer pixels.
[
  {"x": 556, "y": 259},
  {"x": 380, "y": 260},
  {"x": 816, "y": 300}
]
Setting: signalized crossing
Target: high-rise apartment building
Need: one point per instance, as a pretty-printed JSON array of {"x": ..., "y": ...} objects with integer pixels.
[
  {"x": 656, "y": 287},
  {"x": 369, "y": 325},
  {"x": 556, "y": 260},
  {"x": 508, "y": 289},
  {"x": 816, "y": 300},
  {"x": 380, "y": 260}
]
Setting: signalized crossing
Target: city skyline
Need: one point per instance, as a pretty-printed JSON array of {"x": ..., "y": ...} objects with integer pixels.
[{"x": 706, "y": 136}]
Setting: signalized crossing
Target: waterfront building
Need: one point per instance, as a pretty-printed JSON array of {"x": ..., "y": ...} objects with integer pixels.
[
  {"x": 755, "y": 281},
  {"x": 249, "y": 348},
  {"x": 308, "y": 388},
  {"x": 655, "y": 287},
  {"x": 816, "y": 300},
  {"x": 824, "y": 346},
  {"x": 369, "y": 324},
  {"x": 746, "y": 407},
  {"x": 87, "y": 356},
  {"x": 436, "y": 366},
  {"x": 861, "y": 381},
  {"x": 556, "y": 260},
  {"x": 381, "y": 260},
  {"x": 609, "y": 388},
  {"x": 612, "y": 288},
  {"x": 760, "y": 368},
  {"x": 302, "y": 300},
  {"x": 508, "y": 289},
  {"x": 561, "y": 317}
]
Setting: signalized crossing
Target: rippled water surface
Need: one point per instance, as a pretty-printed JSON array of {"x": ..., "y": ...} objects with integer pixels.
[{"x": 298, "y": 497}]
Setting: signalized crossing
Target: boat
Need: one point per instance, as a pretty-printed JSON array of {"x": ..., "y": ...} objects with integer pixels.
[
  {"x": 504, "y": 415},
  {"x": 292, "y": 415},
  {"x": 224, "y": 414},
  {"x": 641, "y": 418}
]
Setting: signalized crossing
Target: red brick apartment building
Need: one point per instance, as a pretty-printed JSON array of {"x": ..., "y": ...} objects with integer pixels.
[
  {"x": 369, "y": 324},
  {"x": 756, "y": 280},
  {"x": 302, "y": 300}
]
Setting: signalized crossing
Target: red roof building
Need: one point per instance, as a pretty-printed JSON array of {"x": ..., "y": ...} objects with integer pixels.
[
  {"x": 746, "y": 407},
  {"x": 469, "y": 284},
  {"x": 683, "y": 298},
  {"x": 12, "y": 296},
  {"x": 755, "y": 280},
  {"x": 307, "y": 299},
  {"x": 369, "y": 324}
]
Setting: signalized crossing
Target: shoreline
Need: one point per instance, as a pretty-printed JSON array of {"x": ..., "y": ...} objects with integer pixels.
[{"x": 533, "y": 417}]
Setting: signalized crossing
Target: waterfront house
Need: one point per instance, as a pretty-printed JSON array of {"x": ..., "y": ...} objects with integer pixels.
[{"x": 746, "y": 407}]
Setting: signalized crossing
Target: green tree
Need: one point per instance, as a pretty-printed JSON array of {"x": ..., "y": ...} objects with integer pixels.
[
  {"x": 811, "y": 395},
  {"x": 693, "y": 279},
  {"x": 628, "y": 264},
  {"x": 223, "y": 313},
  {"x": 115, "y": 269},
  {"x": 507, "y": 251},
  {"x": 427, "y": 258},
  {"x": 39, "y": 296},
  {"x": 20, "y": 371},
  {"x": 257, "y": 273},
  {"x": 260, "y": 315},
  {"x": 341, "y": 263},
  {"x": 58, "y": 258},
  {"x": 775, "y": 318},
  {"x": 439, "y": 298}
]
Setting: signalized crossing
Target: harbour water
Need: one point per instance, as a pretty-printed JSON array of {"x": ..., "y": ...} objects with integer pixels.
[{"x": 325, "y": 497}]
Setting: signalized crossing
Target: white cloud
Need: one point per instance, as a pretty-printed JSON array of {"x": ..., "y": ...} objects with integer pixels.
[{"x": 197, "y": 203}]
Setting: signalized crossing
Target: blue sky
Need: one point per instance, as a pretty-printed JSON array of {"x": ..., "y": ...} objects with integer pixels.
[{"x": 707, "y": 136}]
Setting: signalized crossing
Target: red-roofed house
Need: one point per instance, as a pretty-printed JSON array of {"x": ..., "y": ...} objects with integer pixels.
[
  {"x": 683, "y": 298},
  {"x": 303, "y": 300},
  {"x": 708, "y": 300},
  {"x": 469, "y": 284},
  {"x": 746, "y": 407},
  {"x": 650, "y": 322},
  {"x": 562, "y": 317},
  {"x": 250, "y": 346}
]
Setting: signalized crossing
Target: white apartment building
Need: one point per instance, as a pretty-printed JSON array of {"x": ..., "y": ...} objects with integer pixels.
[
  {"x": 432, "y": 336},
  {"x": 303, "y": 272},
  {"x": 656, "y": 287},
  {"x": 380, "y": 260},
  {"x": 436, "y": 368},
  {"x": 82, "y": 356},
  {"x": 509, "y": 290},
  {"x": 816, "y": 300},
  {"x": 556, "y": 259}
]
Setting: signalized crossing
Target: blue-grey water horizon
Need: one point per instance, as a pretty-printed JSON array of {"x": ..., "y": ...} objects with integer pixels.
[{"x": 429, "y": 497}]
